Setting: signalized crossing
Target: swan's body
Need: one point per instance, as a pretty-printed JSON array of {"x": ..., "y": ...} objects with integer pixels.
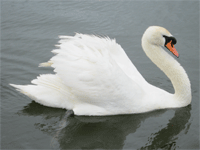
[{"x": 94, "y": 76}]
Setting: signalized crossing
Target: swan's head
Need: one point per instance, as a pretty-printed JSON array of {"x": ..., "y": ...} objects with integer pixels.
[{"x": 160, "y": 36}]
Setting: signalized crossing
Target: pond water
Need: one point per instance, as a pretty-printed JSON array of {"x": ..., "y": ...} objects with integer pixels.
[{"x": 29, "y": 31}]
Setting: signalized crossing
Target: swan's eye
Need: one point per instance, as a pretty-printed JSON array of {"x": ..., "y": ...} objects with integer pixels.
[{"x": 170, "y": 38}]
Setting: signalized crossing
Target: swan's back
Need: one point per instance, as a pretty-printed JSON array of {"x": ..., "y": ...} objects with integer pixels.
[
  {"x": 95, "y": 49},
  {"x": 94, "y": 76}
]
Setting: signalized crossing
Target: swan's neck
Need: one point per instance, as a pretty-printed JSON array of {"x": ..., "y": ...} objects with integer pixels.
[{"x": 173, "y": 70}]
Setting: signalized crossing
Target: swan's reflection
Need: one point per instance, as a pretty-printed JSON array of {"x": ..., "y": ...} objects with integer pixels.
[
  {"x": 108, "y": 132},
  {"x": 165, "y": 138}
]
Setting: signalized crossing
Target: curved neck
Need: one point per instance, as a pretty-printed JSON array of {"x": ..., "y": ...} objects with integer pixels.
[{"x": 173, "y": 70}]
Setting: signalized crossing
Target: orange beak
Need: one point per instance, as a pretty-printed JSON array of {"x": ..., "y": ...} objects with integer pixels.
[{"x": 172, "y": 49}]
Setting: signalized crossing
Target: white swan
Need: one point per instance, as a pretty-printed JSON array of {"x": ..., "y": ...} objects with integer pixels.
[{"x": 94, "y": 76}]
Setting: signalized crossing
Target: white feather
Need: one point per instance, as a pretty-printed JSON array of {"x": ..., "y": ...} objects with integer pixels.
[{"x": 94, "y": 76}]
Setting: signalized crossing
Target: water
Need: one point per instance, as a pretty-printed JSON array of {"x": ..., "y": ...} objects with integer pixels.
[{"x": 29, "y": 31}]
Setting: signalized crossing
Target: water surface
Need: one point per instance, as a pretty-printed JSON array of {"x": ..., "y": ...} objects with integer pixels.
[{"x": 29, "y": 31}]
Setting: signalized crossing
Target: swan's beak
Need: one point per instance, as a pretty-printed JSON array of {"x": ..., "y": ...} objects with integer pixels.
[{"x": 170, "y": 46}]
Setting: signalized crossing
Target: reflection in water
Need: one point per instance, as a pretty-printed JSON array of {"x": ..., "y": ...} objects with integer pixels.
[
  {"x": 107, "y": 132},
  {"x": 165, "y": 138}
]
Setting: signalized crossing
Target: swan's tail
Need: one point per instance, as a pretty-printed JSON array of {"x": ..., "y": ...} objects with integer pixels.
[{"x": 49, "y": 91}]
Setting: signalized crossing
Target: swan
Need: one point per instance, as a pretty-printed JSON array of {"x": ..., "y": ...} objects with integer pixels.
[{"x": 94, "y": 76}]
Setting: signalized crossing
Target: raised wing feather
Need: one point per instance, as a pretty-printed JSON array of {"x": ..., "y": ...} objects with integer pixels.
[{"x": 95, "y": 69}]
